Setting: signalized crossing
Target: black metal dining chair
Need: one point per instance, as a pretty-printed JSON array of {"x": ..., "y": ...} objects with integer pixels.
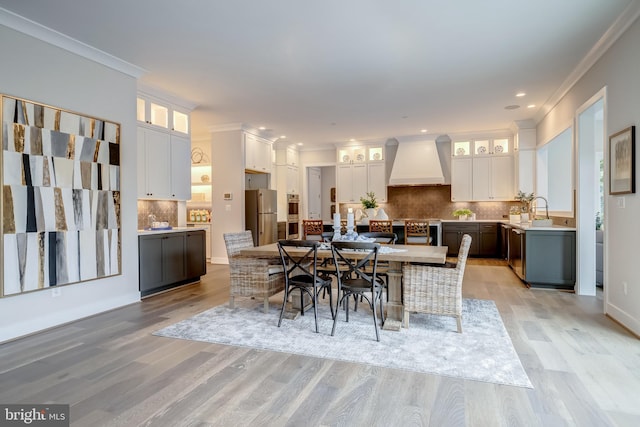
[
  {"x": 357, "y": 281},
  {"x": 301, "y": 272}
]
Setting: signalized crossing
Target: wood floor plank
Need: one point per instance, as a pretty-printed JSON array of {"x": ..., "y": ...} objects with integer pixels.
[{"x": 584, "y": 367}]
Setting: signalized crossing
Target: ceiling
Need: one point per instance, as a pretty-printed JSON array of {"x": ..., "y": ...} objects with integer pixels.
[{"x": 335, "y": 70}]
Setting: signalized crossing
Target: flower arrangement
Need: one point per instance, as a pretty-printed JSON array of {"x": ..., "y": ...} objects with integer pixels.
[
  {"x": 370, "y": 201},
  {"x": 461, "y": 212},
  {"x": 525, "y": 199}
]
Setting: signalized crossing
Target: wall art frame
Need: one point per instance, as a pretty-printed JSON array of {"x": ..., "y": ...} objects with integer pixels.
[
  {"x": 622, "y": 161},
  {"x": 60, "y": 204}
]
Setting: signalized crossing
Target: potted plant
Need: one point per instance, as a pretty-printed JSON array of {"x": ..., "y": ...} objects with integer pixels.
[
  {"x": 369, "y": 204},
  {"x": 525, "y": 201},
  {"x": 462, "y": 214}
]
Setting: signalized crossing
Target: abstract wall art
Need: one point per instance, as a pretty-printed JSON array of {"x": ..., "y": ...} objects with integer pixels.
[{"x": 60, "y": 200}]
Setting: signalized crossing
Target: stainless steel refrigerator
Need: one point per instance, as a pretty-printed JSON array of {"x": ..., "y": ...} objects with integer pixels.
[{"x": 260, "y": 208}]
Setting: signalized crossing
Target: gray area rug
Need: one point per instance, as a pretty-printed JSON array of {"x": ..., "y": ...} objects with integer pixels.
[{"x": 483, "y": 352}]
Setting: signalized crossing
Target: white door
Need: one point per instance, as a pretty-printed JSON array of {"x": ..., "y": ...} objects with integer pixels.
[{"x": 314, "y": 193}]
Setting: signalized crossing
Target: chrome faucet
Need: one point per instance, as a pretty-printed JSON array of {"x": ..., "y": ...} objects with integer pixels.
[{"x": 546, "y": 206}]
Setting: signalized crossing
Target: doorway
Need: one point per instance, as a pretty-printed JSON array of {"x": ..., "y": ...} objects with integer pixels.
[
  {"x": 314, "y": 180},
  {"x": 590, "y": 212}
]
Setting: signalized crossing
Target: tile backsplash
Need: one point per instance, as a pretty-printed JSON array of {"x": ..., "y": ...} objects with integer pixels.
[
  {"x": 164, "y": 210},
  {"x": 434, "y": 202}
]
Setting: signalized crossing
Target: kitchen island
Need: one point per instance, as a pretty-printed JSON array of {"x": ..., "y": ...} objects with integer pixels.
[
  {"x": 542, "y": 257},
  {"x": 170, "y": 258}
]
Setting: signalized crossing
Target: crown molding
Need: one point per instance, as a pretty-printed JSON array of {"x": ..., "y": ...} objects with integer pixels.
[
  {"x": 165, "y": 96},
  {"x": 615, "y": 31},
  {"x": 55, "y": 38}
]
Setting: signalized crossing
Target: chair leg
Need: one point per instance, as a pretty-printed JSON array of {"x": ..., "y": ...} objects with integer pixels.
[
  {"x": 459, "y": 321},
  {"x": 266, "y": 305},
  {"x": 335, "y": 319},
  {"x": 375, "y": 318},
  {"x": 284, "y": 303},
  {"x": 315, "y": 307}
]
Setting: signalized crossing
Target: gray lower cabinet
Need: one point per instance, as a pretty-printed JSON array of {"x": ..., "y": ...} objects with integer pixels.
[
  {"x": 550, "y": 259},
  {"x": 170, "y": 259},
  {"x": 488, "y": 240},
  {"x": 452, "y": 233}
]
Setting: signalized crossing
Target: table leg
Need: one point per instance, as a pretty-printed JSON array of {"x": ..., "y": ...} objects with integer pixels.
[{"x": 394, "y": 307}]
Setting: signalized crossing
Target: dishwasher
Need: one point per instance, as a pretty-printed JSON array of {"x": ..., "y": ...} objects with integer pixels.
[{"x": 517, "y": 251}]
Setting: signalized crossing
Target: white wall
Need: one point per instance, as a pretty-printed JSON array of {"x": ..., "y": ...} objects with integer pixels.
[
  {"x": 227, "y": 163},
  {"x": 618, "y": 70},
  {"x": 40, "y": 72}
]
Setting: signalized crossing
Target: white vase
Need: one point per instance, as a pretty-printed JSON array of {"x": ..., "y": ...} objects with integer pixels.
[
  {"x": 370, "y": 213},
  {"x": 462, "y": 217},
  {"x": 524, "y": 217},
  {"x": 382, "y": 214}
]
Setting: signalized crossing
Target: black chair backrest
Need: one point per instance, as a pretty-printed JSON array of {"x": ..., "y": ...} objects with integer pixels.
[
  {"x": 343, "y": 252},
  {"x": 381, "y": 237},
  {"x": 296, "y": 260}
]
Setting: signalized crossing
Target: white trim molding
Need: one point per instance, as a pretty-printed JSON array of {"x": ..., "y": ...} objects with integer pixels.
[
  {"x": 624, "y": 21},
  {"x": 58, "y": 39}
]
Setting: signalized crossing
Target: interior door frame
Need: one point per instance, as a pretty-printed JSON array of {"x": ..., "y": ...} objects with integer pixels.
[
  {"x": 304, "y": 204},
  {"x": 585, "y": 218}
]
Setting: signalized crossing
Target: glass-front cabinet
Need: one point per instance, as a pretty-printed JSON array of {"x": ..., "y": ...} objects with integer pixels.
[
  {"x": 162, "y": 114},
  {"x": 483, "y": 147},
  {"x": 349, "y": 155}
]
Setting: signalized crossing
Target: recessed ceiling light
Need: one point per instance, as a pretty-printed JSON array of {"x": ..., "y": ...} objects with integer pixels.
[
  {"x": 423, "y": 130},
  {"x": 300, "y": 143},
  {"x": 283, "y": 136},
  {"x": 262, "y": 128},
  {"x": 520, "y": 94},
  {"x": 352, "y": 140},
  {"x": 531, "y": 106},
  {"x": 511, "y": 107}
]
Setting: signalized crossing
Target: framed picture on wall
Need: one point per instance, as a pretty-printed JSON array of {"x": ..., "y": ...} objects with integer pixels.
[
  {"x": 60, "y": 207},
  {"x": 622, "y": 168}
]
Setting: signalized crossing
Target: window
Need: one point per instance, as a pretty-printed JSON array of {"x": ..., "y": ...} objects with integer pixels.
[{"x": 554, "y": 174}]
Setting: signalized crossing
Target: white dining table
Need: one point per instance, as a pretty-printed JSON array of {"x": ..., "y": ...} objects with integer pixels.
[{"x": 399, "y": 255}]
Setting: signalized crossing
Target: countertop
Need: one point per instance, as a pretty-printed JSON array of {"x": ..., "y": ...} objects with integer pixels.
[
  {"x": 173, "y": 230},
  {"x": 438, "y": 222},
  {"x": 528, "y": 227}
]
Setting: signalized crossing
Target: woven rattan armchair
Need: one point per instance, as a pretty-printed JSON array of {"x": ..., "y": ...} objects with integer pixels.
[
  {"x": 436, "y": 289},
  {"x": 251, "y": 276}
]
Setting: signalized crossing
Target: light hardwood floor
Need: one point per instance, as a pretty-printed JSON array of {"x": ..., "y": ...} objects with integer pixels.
[{"x": 584, "y": 367}]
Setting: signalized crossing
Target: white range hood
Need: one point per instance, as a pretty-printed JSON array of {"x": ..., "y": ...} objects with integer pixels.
[{"x": 416, "y": 163}]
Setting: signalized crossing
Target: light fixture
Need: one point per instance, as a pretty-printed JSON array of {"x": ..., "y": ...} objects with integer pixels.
[
  {"x": 300, "y": 143},
  {"x": 352, "y": 140},
  {"x": 262, "y": 128},
  {"x": 520, "y": 94},
  {"x": 283, "y": 136},
  {"x": 423, "y": 130},
  {"x": 531, "y": 106}
]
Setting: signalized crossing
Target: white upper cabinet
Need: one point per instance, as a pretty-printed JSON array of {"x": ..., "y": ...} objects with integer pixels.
[
  {"x": 164, "y": 149},
  {"x": 351, "y": 182},
  {"x": 461, "y": 179},
  {"x": 257, "y": 153},
  {"x": 482, "y": 170},
  {"x": 361, "y": 169}
]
